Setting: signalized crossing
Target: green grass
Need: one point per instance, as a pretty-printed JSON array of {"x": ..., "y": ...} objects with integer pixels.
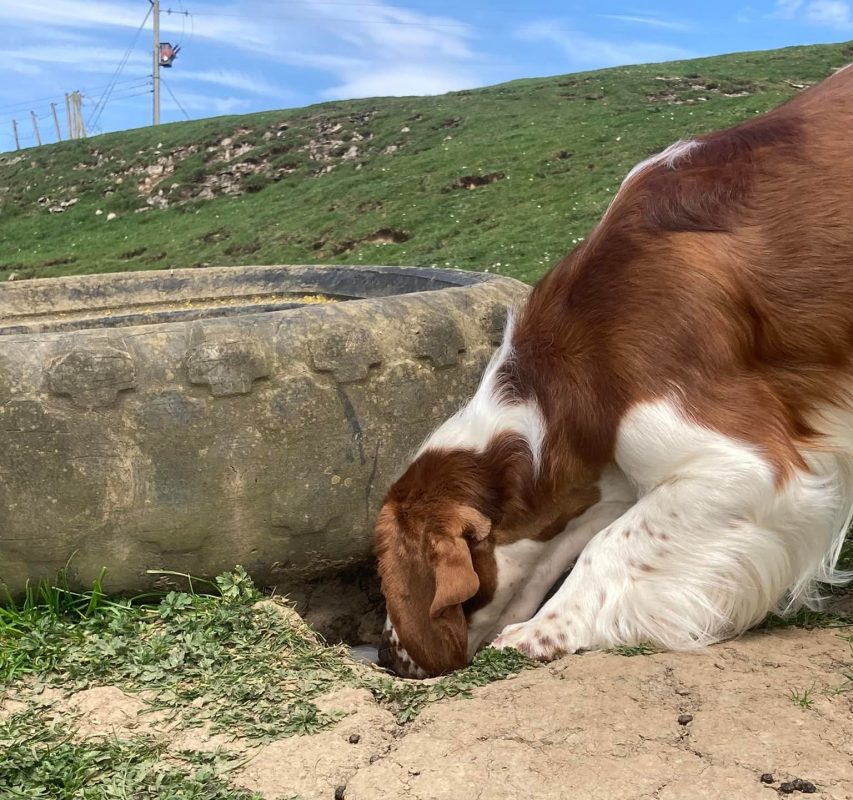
[
  {"x": 804, "y": 698},
  {"x": 220, "y": 659},
  {"x": 214, "y": 656},
  {"x": 44, "y": 760},
  {"x": 562, "y": 143},
  {"x": 630, "y": 652}
]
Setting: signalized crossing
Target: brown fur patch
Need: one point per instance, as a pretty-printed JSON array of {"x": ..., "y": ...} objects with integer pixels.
[{"x": 727, "y": 278}]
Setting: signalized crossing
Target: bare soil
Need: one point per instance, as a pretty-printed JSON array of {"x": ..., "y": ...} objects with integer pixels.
[{"x": 598, "y": 725}]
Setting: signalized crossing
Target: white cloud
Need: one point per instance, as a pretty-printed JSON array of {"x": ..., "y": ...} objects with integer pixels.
[
  {"x": 390, "y": 31},
  {"x": 229, "y": 79},
  {"x": 92, "y": 15},
  {"x": 786, "y": 9},
  {"x": 402, "y": 80},
  {"x": 652, "y": 22},
  {"x": 72, "y": 13},
  {"x": 22, "y": 68},
  {"x": 585, "y": 51},
  {"x": 208, "y": 104},
  {"x": 86, "y": 58},
  {"x": 236, "y": 52},
  {"x": 836, "y": 14},
  {"x": 369, "y": 47}
]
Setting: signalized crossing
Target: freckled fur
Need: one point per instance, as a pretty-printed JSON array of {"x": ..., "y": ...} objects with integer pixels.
[{"x": 700, "y": 343}]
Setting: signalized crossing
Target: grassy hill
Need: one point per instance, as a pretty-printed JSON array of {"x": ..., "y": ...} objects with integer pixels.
[{"x": 504, "y": 178}]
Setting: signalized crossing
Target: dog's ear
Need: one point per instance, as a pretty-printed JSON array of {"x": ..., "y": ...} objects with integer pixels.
[{"x": 455, "y": 578}]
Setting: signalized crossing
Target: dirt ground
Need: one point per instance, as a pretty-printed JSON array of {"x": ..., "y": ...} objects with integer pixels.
[{"x": 663, "y": 726}]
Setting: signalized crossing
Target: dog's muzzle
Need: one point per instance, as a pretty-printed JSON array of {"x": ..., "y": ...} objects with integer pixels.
[{"x": 393, "y": 656}]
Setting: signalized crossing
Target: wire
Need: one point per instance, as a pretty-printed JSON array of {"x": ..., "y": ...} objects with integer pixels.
[
  {"x": 128, "y": 96},
  {"x": 192, "y": 28},
  {"x": 127, "y": 84},
  {"x": 172, "y": 95},
  {"x": 452, "y": 25},
  {"x": 26, "y": 105},
  {"x": 184, "y": 14},
  {"x": 102, "y": 103}
]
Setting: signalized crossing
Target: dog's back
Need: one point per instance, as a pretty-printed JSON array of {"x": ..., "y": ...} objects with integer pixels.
[{"x": 723, "y": 268}]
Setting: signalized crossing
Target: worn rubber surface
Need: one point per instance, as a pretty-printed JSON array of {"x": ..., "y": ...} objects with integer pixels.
[{"x": 245, "y": 429}]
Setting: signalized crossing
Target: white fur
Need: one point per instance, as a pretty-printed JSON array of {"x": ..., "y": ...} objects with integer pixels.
[
  {"x": 713, "y": 544},
  {"x": 669, "y": 157},
  {"x": 527, "y": 569},
  {"x": 404, "y": 660},
  {"x": 516, "y": 563},
  {"x": 488, "y": 415}
]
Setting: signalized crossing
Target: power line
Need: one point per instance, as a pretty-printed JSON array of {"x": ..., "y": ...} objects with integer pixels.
[
  {"x": 172, "y": 95},
  {"x": 297, "y": 18},
  {"x": 102, "y": 103},
  {"x": 41, "y": 101},
  {"x": 127, "y": 85}
]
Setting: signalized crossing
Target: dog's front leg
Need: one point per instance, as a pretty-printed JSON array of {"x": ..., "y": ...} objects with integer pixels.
[{"x": 713, "y": 544}]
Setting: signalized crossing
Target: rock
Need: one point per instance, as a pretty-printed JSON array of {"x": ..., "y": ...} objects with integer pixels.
[
  {"x": 766, "y": 778},
  {"x": 111, "y": 216},
  {"x": 685, "y": 719},
  {"x": 354, "y": 738}
]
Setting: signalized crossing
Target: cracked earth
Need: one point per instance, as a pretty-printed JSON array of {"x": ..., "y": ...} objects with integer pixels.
[
  {"x": 664, "y": 726},
  {"x": 606, "y": 726}
]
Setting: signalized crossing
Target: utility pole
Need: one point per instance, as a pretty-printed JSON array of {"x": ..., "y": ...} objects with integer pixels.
[
  {"x": 79, "y": 122},
  {"x": 56, "y": 122},
  {"x": 76, "y": 128},
  {"x": 68, "y": 116},
  {"x": 36, "y": 127},
  {"x": 156, "y": 74},
  {"x": 15, "y": 131}
]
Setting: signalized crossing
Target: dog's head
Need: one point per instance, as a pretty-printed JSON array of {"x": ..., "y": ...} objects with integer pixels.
[
  {"x": 427, "y": 570},
  {"x": 431, "y": 536},
  {"x": 456, "y": 569}
]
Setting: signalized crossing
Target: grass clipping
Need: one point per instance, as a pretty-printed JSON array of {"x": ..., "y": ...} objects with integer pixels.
[{"x": 228, "y": 659}]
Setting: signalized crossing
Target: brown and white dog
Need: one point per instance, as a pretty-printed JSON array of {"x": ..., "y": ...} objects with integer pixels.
[{"x": 672, "y": 411}]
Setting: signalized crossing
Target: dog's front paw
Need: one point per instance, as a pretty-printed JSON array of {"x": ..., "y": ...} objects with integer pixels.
[{"x": 540, "y": 639}]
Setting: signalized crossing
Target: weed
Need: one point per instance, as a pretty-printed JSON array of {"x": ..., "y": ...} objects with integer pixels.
[
  {"x": 409, "y": 698},
  {"x": 804, "y": 698},
  {"x": 243, "y": 666},
  {"x": 43, "y": 759},
  {"x": 639, "y": 650}
]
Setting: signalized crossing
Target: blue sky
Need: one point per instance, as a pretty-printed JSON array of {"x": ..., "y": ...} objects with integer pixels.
[{"x": 252, "y": 55}]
